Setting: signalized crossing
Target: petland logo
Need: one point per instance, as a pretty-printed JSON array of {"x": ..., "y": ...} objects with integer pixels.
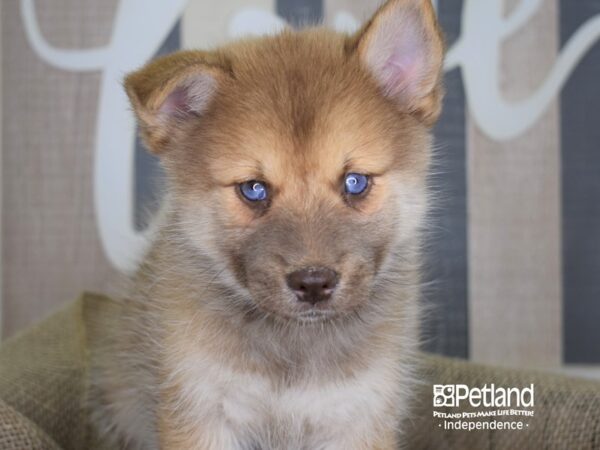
[
  {"x": 451, "y": 395},
  {"x": 506, "y": 408}
]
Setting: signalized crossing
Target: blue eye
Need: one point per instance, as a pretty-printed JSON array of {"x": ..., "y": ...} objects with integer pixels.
[
  {"x": 253, "y": 190},
  {"x": 356, "y": 183}
]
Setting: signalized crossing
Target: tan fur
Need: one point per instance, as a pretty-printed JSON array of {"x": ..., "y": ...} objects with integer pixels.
[{"x": 209, "y": 349}]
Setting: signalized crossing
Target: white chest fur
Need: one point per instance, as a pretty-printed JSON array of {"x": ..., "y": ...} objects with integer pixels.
[{"x": 244, "y": 410}]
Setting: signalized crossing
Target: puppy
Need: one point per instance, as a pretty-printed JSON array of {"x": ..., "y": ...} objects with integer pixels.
[{"x": 278, "y": 305}]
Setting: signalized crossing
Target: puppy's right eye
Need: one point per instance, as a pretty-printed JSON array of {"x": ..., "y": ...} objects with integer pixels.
[
  {"x": 254, "y": 191},
  {"x": 356, "y": 183}
]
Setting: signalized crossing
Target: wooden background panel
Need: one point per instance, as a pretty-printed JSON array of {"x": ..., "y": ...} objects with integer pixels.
[
  {"x": 51, "y": 251},
  {"x": 361, "y": 10},
  {"x": 580, "y": 101},
  {"x": 205, "y": 25},
  {"x": 515, "y": 294}
]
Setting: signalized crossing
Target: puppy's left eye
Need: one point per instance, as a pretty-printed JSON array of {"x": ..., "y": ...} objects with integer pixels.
[
  {"x": 254, "y": 191},
  {"x": 356, "y": 183}
]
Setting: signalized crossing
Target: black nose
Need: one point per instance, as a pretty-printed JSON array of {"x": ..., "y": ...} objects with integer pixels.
[{"x": 313, "y": 284}]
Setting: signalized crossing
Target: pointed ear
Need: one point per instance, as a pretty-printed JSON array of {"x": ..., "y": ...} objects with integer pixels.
[
  {"x": 169, "y": 91},
  {"x": 402, "y": 47}
]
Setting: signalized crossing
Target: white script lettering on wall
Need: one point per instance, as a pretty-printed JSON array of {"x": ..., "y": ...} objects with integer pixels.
[{"x": 141, "y": 26}]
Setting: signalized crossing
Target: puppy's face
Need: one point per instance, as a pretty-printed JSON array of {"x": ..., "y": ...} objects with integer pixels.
[{"x": 297, "y": 162}]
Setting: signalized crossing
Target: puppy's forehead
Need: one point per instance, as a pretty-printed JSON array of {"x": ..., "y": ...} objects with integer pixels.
[
  {"x": 301, "y": 105},
  {"x": 340, "y": 143}
]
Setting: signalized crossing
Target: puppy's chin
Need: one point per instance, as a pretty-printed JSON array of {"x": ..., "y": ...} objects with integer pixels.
[
  {"x": 303, "y": 315},
  {"x": 286, "y": 309},
  {"x": 314, "y": 316}
]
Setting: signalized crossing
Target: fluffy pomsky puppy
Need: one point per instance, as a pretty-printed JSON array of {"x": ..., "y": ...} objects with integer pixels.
[{"x": 277, "y": 307}]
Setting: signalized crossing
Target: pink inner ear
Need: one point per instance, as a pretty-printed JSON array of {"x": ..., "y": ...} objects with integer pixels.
[
  {"x": 398, "y": 52},
  {"x": 176, "y": 104},
  {"x": 192, "y": 96},
  {"x": 402, "y": 71}
]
